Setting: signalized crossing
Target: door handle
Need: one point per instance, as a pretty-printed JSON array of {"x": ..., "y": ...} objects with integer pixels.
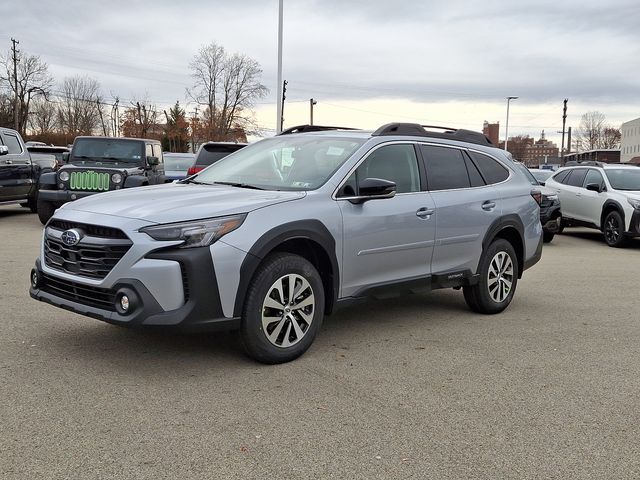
[
  {"x": 488, "y": 205},
  {"x": 425, "y": 212}
]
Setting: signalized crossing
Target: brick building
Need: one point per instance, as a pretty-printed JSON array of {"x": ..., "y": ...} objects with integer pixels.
[
  {"x": 540, "y": 150},
  {"x": 492, "y": 130}
]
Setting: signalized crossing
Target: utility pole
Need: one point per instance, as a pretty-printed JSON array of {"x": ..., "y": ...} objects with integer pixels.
[
  {"x": 14, "y": 52},
  {"x": 280, "y": 99},
  {"x": 569, "y": 140},
  {"x": 312, "y": 102},
  {"x": 564, "y": 123},
  {"x": 104, "y": 127},
  {"x": 284, "y": 95}
]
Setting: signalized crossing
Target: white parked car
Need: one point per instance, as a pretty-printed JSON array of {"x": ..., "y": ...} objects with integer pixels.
[{"x": 602, "y": 196}]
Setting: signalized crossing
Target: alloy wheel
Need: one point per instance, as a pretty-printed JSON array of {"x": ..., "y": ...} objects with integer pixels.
[
  {"x": 288, "y": 310},
  {"x": 611, "y": 230},
  {"x": 500, "y": 277}
]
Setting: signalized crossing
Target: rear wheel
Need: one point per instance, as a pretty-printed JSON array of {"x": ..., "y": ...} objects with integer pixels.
[
  {"x": 45, "y": 210},
  {"x": 283, "y": 309},
  {"x": 614, "y": 230},
  {"x": 498, "y": 279}
]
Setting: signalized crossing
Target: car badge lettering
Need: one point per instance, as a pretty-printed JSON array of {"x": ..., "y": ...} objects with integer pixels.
[{"x": 71, "y": 237}]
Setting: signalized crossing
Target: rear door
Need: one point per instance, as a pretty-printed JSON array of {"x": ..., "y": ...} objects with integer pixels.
[
  {"x": 467, "y": 203},
  {"x": 570, "y": 193},
  {"x": 589, "y": 206},
  {"x": 16, "y": 175}
]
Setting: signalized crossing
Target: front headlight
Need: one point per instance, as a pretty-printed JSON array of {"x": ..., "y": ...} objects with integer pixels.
[
  {"x": 635, "y": 203},
  {"x": 195, "y": 233},
  {"x": 116, "y": 178},
  {"x": 551, "y": 198},
  {"x": 64, "y": 176}
]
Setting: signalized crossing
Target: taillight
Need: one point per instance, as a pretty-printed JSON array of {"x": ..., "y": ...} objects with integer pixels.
[
  {"x": 193, "y": 170},
  {"x": 537, "y": 196}
]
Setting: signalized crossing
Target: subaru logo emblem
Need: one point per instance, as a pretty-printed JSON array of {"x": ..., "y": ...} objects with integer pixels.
[{"x": 71, "y": 237}]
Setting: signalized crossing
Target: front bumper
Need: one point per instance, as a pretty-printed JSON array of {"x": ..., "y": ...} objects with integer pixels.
[
  {"x": 634, "y": 225},
  {"x": 201, "y": 311},
  {"x": 60, "y": 197}
]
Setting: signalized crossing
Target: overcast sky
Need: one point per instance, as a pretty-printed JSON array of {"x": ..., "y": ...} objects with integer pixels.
[{"x": 366, "y": 62}]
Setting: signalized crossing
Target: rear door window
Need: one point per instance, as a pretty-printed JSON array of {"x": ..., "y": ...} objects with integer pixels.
[
  {"x": 560, "y": 177},
  {"x": 576, "y": 178},
  {"x": 446, "y": 168}
]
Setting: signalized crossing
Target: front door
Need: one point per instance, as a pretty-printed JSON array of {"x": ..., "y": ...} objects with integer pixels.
[
  {"x": 16, "y": 177},
  {"x": 387, "y": 241}
]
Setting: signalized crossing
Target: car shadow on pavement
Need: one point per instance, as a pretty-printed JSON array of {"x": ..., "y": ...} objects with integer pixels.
[
  {"x": 597, "y": 237},
  {"x": 15, "y": 211}
]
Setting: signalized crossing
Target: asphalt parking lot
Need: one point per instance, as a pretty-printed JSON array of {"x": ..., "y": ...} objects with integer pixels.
[{"x": 413, "y": 387}]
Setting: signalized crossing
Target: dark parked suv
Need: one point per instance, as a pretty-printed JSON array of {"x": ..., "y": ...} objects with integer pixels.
[
  {"x": 210, "y": 152},
  {"x": 100, "y": 164},
  {"x": 18, "y": 175}
]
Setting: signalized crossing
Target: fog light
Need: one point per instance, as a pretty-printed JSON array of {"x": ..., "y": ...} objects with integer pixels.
[
  {"x": 124, "y": 303},
  {"x": 35, "y": 278},
  {"x": 61, "y": 186},
  {"x": 73, "y": 196}
]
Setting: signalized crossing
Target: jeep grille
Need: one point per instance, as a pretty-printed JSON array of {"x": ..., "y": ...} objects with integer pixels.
[{"x": 89, "y": 180}]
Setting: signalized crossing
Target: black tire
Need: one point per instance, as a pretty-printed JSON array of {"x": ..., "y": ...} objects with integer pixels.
[
  {"x": 479, "y": 297},
  {"x": 547, "y": 236},
  {"x": 277, "y": 270},
  {"x": 560, "y": 226},
  {"x": 613, "y": 229},
  {"x": 45, "y": 210}
]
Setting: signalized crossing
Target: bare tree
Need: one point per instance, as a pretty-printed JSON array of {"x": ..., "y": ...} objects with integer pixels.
[
  {"x": 6, "y": 111},
  {"x": 43, "y": 118},
  {"x": 27, "y": 79},
  {"x": 79, "y": 112},
  {"x": 140, "y": 120},
  {"x": 590, "y": 131},
  {"x": 610, "y": 137},
  {"x": 227, "y": 86}
]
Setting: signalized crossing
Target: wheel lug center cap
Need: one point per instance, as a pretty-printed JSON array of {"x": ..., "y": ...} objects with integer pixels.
[{"x": 287, "y": 309}]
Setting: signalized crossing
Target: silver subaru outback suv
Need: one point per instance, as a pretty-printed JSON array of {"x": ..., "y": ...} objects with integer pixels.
[{"x": 275, "y": 236}]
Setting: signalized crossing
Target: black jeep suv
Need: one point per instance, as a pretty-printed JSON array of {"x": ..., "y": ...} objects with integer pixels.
[{"x": 100, "y": 164}]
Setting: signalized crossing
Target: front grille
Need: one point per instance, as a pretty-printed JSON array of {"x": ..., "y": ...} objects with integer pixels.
[
  {"x": 93, "y": 257},
  {"x": 83, "y": 294},
  {"x": 89, "y": 180},
  {"x": 91, "y": 230}
]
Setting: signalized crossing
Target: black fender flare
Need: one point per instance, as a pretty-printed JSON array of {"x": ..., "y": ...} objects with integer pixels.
[
  {"x": 135, "y": 181},
  {"x": 609, "y": 205},
  {"x": 312, "y": 230},
  {"x": 500, "y": 224},
  {"x": 48, "y": 180}
]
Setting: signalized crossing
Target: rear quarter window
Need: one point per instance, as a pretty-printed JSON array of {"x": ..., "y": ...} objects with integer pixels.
[
  {"x": 210, "y": 154},
  {"x": 492, "y": 171}
]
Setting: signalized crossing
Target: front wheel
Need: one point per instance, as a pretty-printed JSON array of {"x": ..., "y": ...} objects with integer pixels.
[
  {"x": 45, "y": 210},
  {"x": 283, "y": 309},
  {"x": 498, "y": 279},
  {"x": 614, "y": 230}
]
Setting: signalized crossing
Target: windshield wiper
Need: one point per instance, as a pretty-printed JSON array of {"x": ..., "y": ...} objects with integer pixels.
[
  {"x": 191, "y": 180},
  {"x": 239, "y": 185}
]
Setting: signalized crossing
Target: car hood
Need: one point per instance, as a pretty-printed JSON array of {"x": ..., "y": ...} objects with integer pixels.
[
  {"x": 546, "y": 191},
  {"x": 177, "y": 202}
]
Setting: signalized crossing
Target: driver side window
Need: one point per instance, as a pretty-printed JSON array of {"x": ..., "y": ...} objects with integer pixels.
[{"x": 397, "y": 163}]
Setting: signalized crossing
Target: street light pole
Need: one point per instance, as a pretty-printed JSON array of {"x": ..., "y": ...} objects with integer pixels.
[
  {"x": 279, "y": 99},
  {"x": 506, "y": 128},
  {"x": 312, "y": 102}
]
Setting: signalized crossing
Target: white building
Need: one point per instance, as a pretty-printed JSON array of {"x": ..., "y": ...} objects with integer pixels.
[{"x": 630, "y": 141}]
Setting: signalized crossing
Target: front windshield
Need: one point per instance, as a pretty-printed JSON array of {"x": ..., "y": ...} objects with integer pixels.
[
  {"x": 177, "y": 163},
  {"x": 286, "y": 162},
  {"x": 624, "y": 178},
  {"x": 107, "y": 149}
]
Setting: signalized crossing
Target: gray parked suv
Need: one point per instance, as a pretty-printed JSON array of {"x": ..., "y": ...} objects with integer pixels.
[{"x": 278, "y": 234}]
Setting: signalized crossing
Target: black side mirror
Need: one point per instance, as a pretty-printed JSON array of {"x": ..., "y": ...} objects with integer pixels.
[
  {"x": 153, "y": 161},
  {"x": 65, "y": 157},
  {"x": 4, "y": 150},
  {"x": 372, "y": 189},
  {"x": 594, "y": 187},
  {"x": 541, "y": 183}
]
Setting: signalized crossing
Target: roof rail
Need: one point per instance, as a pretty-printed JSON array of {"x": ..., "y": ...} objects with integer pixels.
[
  {"x": 311, "y": 128},
  {"x": 417, "y": 130},
  {"x": 588, "y": 163}
]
